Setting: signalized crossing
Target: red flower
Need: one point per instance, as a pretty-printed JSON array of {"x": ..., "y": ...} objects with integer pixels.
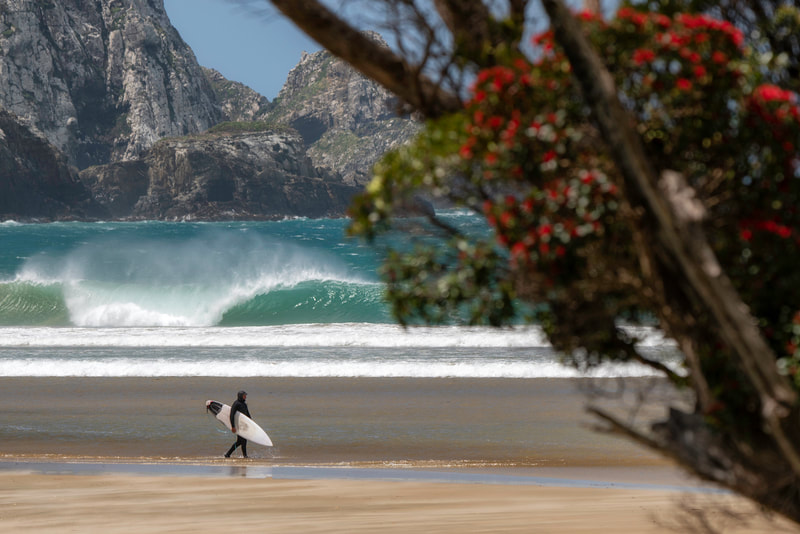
[
  {"x": 662, "y": 20},
  {"x": 625, "y": 12},
  {"x": 550, "y": 155},
  {"x": 522, "y": 64},
  {"x": 527, "y": 206},
  {"x": 643, "y": 55},
  {"x": 675, "y": 39},
  {"x": 719, "y": 57},
  {"x": 770, "y": 93},
  {"x": 736, "y": 36},
  {"x": 683, "y": 84},
  {"x": 699, "y": 71},
  {"x": 495, "y": 122},
  {"x": 519, "y": 250}
]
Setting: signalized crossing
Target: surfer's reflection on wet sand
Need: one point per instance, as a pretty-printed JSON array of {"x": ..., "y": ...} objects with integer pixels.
[{"x": 244, "y": 471}]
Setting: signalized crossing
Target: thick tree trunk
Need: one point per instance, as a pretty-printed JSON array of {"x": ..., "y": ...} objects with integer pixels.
[{"x": 677, "y": 241}]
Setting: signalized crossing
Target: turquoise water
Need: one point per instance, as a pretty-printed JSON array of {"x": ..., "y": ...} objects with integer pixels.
[
  {"x": 293, "y": 298},
  {"x": 184, "y": 274}
]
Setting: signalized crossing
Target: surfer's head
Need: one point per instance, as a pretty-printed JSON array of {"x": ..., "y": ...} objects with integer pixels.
[{"x": 241, "y": 395}]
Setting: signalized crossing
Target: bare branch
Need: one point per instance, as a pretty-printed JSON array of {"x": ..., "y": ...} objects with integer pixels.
[
  {"x": 468, "y": 21},
  {"x": 368, "y": 57}
]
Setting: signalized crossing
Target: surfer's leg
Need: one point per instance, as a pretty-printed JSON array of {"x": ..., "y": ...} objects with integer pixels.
[
  {"x": 233, "y": 448},
  {"x": 244, "y": 447}
]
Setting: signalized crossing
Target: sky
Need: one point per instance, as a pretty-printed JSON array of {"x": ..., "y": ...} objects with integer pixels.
[{"x": 255, "y": 48}]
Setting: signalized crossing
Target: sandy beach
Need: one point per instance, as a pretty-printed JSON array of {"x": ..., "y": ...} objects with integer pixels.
[
  {"x": 44, "y": 503},
  {"x": 390, "y": 455}
]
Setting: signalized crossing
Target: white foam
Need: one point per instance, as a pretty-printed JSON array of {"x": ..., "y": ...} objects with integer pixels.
[
  {"x": 317, "y": 350},
  {"x": 128, "y": 367},
  {"x": 293, "y": 335},
  {"x": 313, "y": 335}
]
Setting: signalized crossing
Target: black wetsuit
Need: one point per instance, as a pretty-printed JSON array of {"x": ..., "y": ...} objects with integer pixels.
[{"x": 238, "y": 406}]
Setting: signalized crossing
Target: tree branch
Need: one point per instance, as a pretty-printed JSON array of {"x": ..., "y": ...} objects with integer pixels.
[{"x": 368, "y": 57}]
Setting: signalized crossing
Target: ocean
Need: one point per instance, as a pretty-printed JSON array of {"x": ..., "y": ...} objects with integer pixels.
[
  {"x": 294, "y": 298},
  {"x": 102, "y": 323}
]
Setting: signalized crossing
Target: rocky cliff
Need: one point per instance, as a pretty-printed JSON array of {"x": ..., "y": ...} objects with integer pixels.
[
  {"x": 111, "y": 86},
  {"x": 223, "y": 174},
  {"x": 103, "y": 79},
  {"x": 347, "y": 121},
  {"x": 239, "y": 103},
  {"x": 35, "y": 180}
]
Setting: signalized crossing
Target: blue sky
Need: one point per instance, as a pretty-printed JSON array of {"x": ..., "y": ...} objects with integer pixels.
[{"x": 245, "y": 45}]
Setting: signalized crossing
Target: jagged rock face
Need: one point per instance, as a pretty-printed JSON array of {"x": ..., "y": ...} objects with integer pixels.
[
  {"x": 347, "y": 120},
  {"x": 238, "y": 102},
  {"x": 35, "y": 180},
  {"x": 253, "y": 175},
  {"x": 104, "y": 79}
]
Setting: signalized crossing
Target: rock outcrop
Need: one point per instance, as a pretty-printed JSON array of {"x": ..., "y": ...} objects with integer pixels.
[
  {"x": 239, "y": 103},
  {"x": 35, "y": 180},
  {"x": 102, "y": 80},
  {"x": 220, "y": 175},
  {"x": 347, "y": 120}
]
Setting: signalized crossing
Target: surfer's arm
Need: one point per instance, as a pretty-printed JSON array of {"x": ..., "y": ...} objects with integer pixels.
[{"x": 233, "y": 421}]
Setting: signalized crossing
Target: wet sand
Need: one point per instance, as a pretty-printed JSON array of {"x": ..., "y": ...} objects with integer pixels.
[
  {"x": 351, "y": 455},
  {"x": 449, "y": 422}
]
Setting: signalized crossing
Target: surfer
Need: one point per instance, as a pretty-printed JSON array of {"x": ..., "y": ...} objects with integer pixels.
[{"x": 240, "y": 405}]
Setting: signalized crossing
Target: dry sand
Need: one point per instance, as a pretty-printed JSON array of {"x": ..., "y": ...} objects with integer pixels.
[{"x": 43, "y": 503}]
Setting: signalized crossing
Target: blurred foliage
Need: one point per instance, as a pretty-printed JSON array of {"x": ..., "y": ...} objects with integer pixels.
[{"x": 524, "y": 154}]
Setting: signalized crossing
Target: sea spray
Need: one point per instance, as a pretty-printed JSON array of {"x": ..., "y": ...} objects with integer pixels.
[{"x": 229, "y": 277}]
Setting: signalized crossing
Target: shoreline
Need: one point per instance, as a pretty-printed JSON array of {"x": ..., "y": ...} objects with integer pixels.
[{"x": 663, "y": 478}]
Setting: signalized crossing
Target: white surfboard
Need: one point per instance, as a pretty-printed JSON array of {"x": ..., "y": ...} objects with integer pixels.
[{"x": 245, "y": 427}]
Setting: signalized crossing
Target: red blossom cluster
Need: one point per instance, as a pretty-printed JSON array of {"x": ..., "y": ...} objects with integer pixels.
[
  {"x": 747, "y": 227},
  {"x": 697, "y": 43},
  {"x": 777, "y": 107},
  {"x": 550, "y": 193},
  {"x": 512, "y": 136},
  {"x": 550, "y": 221},
  {"x": 775, "y": 110}
]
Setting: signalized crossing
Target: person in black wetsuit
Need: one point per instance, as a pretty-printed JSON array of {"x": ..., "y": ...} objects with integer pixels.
[{"x": 239, "y": 406}]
